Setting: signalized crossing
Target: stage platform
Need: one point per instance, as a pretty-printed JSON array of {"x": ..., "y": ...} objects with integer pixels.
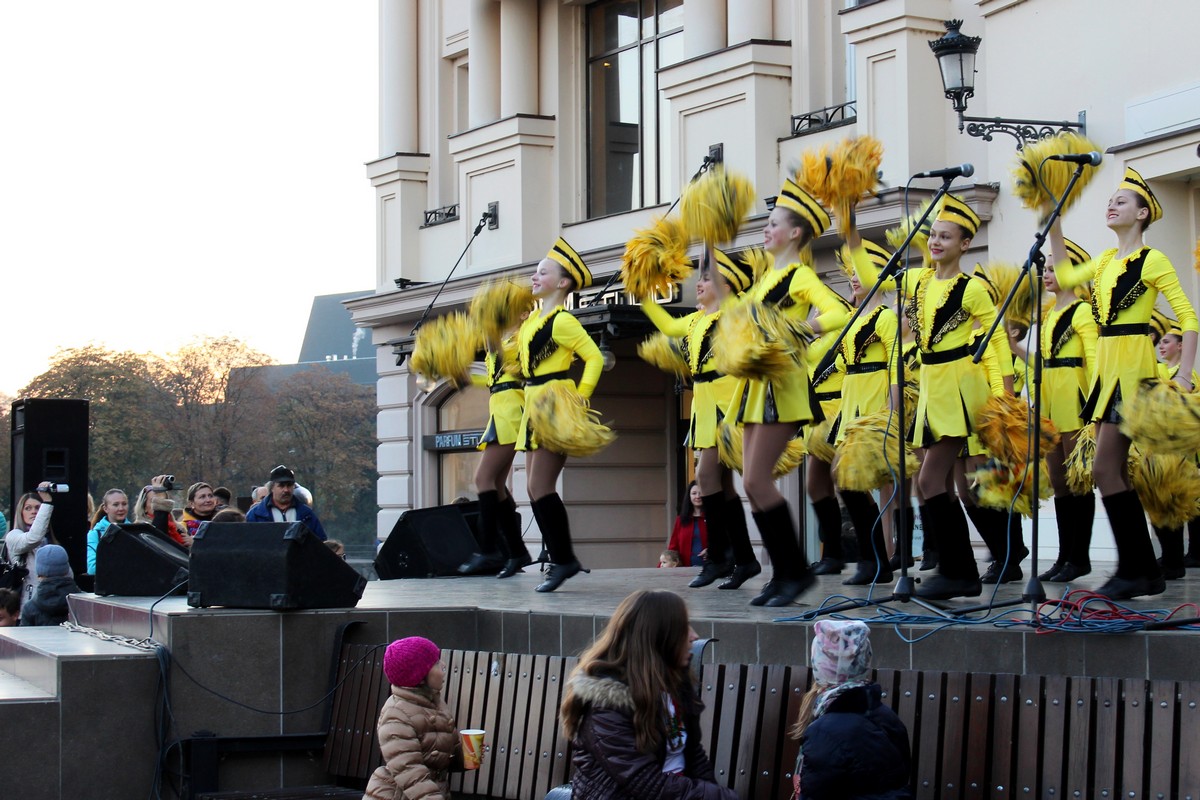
[{"x": 245, "y": 672}]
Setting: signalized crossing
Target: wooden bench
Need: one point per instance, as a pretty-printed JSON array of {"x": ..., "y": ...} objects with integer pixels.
[{"x": 973, "y": 735}]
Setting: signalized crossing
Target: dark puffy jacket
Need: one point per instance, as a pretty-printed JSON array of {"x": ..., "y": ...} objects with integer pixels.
[
  {"x": 608, "y": 765},
  {"x": 49, "y": 603},
  {"x": 857, "y": 750}
]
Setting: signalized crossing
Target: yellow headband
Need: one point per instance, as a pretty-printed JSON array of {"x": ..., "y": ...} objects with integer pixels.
[
  {"x": 958, "y": 212},
  {"x": 569, "y": 260},
  {"x": 738, "y": 272},
  {"x": 793, "y": 198},
  {"x": 1136, "y": 184},
  {"x": 1076, "y": 254}
]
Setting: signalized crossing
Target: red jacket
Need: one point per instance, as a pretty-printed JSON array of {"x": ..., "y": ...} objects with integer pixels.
[{"x": 681, "y": 539}]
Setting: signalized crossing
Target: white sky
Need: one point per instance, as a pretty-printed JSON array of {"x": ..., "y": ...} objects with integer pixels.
[{"x": 171, "y": 169}]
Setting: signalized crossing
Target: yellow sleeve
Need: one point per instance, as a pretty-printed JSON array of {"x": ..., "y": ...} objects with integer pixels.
[
  {"x": 1087, "y": 331},
  {"x": 1071, "y": 275},
  {"x": 667, "y": 323},
  {"x": 806, "y": 288},
  {"x": 979, "y": 305},
  {"x": 1158, "y": 272},
  {"x": 867, "y": 272},
  {"x": 887, "y": 327},
  {"x": 479, "y": 380},
  {"x": 570, "y": 335}
]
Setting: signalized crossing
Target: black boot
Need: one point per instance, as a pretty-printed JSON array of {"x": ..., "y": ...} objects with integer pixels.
[
  {"x": 790, "y": 572},
  {"x": 489, "y": 558},
  {"x": 1137, "y": 573},
  {"x": 1079, "y": 559},
  {"x": 1192, "y": 559},
  {"x": 514, "y": 545},
  {"x": 1171, "y": 563},
  {"x": 929, "y": 549},
  {"x": 957, "y": 574},
  {"x": 904, "y": 538},
  {"x": 551, "y": 516},
  {"x": 717, "y": 565},
  {"x": 829, "y": 524},
  {"x": 746, "y": 564},
  {"x": 1002, "y": 535},
  {"x": 1064, "y": 511},
  {"x": 868, "y": 530}
]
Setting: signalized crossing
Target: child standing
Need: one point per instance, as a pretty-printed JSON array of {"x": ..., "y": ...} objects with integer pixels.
[
  {"x": 851, "y": 744},
  {"x": 48, "y": 606},
  {"x": 417, "y": 734}
]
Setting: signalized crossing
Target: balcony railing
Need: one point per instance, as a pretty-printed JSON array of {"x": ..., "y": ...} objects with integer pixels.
[
  {"x": 441, "y": 215},
  {"x": 823, "y": 118}
]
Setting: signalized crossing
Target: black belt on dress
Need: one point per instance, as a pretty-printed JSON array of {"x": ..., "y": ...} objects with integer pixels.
[
  {"x": 870, "y": 366},
  {"x": 1051, "y": 363},
  {"x": 496, "y": 388},
  {"x": 538, "y": 380},
  {"x": 707, "y": 377},
  {"x": 945, "y": 356},
  {"x": 1132, "y": 329},
  {"x": 825, "y": 397}
]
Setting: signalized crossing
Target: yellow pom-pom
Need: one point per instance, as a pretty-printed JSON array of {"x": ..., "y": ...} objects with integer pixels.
[
  {"x": 729, "y": 445},
  {"x": 920, "y": 241},
  {"x": 791, "y": 458},
  {"x": 666, "y": 353},
  {"x": 715, "y": 205},
  {"x": 656, "y": 259},
  {"x": 1197, "y": 256},
  {"x": 1038, "y": 183},
  {"x": 866, "y": 458},
  {"x": 1167, "y": 485},
  {"x": 1162, "y": 419},
  {"x": 445, "y": 348},
  {"x": 998, "y": 485},
  {"x": 853, "y": 175},
  {"x": 563, "y": 422},
  {"x": 1003, "y": 428},
  {"x": 1079, "y": 462},
  {"x": 499, "y": 306},
  {"x": 753, "y": 340},
  {"x": 818, "y": 442}
]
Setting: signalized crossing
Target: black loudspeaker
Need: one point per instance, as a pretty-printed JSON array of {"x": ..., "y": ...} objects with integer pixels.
[
  {"x": 276, "y": 565},
  {"x": 138, "y": 560},
  {"x": 50, "y": 443},
  {"x": 427, "y": 543}
]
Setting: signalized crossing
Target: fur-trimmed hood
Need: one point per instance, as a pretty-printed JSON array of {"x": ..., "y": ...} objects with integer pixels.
[{"x": 602, "y": 692}]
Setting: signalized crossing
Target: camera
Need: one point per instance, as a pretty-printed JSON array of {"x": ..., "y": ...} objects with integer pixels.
[
  {"x": 168, "y": 482},
  {"x": 58, "y": 488}
]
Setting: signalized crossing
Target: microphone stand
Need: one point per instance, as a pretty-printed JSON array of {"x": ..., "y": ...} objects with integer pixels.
[
  {"x": 487, "y": 216},
  {"x": 903, "y": 590},
  {"x": 1034, "y": 592}
]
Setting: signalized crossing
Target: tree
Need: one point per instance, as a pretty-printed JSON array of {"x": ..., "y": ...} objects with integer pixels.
[
  {"x": 327, "y": 424},
  {"x": 6, "y": 498}
]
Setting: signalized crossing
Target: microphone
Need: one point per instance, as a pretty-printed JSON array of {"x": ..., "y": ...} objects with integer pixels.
[
  {"x": 1091, "y": 159},
  {"x": 961, "y": 171}
]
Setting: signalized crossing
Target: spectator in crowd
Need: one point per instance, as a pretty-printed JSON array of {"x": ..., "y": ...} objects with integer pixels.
[
  {"x": 30, "y": 531},
  {"x": 668, "y": 558},
  {"x": 3, "y": 524},
  {"x": 153, "y": 506},
  {"x": 224, "y": 497},
  {"x": 337, "y": 547},
  {"x": 48, "y": 606},
  {"x": 10, "y": 608},
  {"x": 114, "y": 509},
  {"x": 229, "y": 515},
  {"x": 201, "y": 506},
  {"x": 689, "y": 537},
  {"x": 259, "y": 493},
  {"x": 281, "y": 504}
]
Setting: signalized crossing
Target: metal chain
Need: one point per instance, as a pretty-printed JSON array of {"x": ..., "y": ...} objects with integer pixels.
[{"x": 148, "y": 645}]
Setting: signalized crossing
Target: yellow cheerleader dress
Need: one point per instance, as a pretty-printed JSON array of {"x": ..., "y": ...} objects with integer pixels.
[
  {"x": 506, "y": 396},
  {"x": 870, "y": 353},
  {"x": 547, "y": 344},
  {"x": 1068, "y": 348}
]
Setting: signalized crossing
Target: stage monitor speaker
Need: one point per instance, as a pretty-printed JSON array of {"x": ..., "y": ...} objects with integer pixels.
[
  {"x": 427, "y": 543},
  {"x": 138, "y": 560},
  {"x": 276, "y": 565},
  {"x": 50, "y": 443}
]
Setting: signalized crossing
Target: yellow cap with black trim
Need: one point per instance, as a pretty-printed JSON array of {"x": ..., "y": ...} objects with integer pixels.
[
  {"x": 1134, "y": 182},
  {"x": 1160, "y": 323},
  {"x": 1076, "y": 254},
  {"x": 737, "y": 271},
  {"x": 878, "y": 255},
  {"x": 954, "y": 210},
  {"x": 569, "y": 260},
  {"x": 793, "y": 198}
]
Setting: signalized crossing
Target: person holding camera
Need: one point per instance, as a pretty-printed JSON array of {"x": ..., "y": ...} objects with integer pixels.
[
  {"x": 282, "y": 504},
  {"x": 30, "y": 530},
  {"x": 155, "y": 507}
]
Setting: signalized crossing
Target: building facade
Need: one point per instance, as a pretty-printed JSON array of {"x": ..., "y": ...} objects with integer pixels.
[{"x": 587, "y": 119}]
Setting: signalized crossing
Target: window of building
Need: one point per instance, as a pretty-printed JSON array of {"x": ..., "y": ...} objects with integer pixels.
[
  {"x": 461, "y": 421},
  {"x": 629, "y": 131}
]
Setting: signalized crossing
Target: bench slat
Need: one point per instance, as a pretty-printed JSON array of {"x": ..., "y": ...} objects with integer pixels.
[
  {"x": 724, "y": 747},
  {"x": 955, "y": 706},
  {"x": 1109, "y": 738},
  {"x": 1054, "y": 735},
  {"x": 767, "y": 771},
  {"x": 926, "y": 734},
  {"x": 1028, "y": 750},
  {"x": 1189, "y": 732},
  {"x": 1135, "y": 710},
  {"x": 1163, "y": 746},
  {"x": 978, "y": 740},
  {"x": 752, "y": 727},
  {"x": 1079, "y": 720},
  {"x": 522, "y": 730},
  {"x": 1004, "y": 731},
  {"x": 555, "y": 768},
  {"x": 799, "y": 679}
]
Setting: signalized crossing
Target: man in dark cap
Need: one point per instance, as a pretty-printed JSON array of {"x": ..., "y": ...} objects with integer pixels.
[{"x": 281, "y": 505}]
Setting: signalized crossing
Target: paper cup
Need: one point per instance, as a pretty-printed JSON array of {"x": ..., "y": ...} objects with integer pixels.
[{"x": 472, "y": 747}]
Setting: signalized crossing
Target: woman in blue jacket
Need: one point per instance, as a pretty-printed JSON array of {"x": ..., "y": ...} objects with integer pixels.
[{"x": 113, "y": 509}]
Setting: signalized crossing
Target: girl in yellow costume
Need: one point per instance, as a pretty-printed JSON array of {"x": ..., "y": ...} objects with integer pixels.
[
  {"x": 1068, "y": 352},
  {"x": 711, "y": 391},
  {"x": 942, "y": 301},
  {"x": 818, "y": 473},
  {"x": 548, "y": 341},
  {"x": 871, "y": 354},
  {"x": 772, "y": 411},
  {"x": 1127, "y": 280}
]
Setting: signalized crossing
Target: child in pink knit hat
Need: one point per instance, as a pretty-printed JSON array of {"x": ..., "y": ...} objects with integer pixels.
[
  {"x": 417, "y": 734},
  {"x": 851, "y": 744}
]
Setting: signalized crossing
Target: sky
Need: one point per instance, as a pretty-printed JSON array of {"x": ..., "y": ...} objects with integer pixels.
[{"x": 171, "y": 170}]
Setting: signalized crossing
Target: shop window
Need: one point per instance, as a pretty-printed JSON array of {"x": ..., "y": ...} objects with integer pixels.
[{"x": 461, "y": 420}]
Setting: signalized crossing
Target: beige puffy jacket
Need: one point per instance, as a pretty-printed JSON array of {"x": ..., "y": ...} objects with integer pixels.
[{"x": 420, "y": 747}]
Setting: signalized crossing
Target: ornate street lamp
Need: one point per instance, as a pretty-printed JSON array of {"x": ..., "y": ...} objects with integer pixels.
[{"x": 956, "y": 60}]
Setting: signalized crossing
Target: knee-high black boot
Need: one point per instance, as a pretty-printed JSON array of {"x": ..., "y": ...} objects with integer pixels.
[
  {"x": 1192, "y": 559},
  {"x": 745, "y": 563},
  {"x": 829, "y": 524},
  {"x": 929, "y": 545},
  {"x": 488, "y": 559},
  {"x": 790, "y": 572},
  {"x": 868, "y": 530},
  {"x": 1064, "y": 513},
  {"x": 1079, "y": 560},
  {"x": 904, "y": 535},
  {"x": 514, "y": 545},
  {"x": 1137, "y": 573},
  {"x": 957, "y": 574},
  {"x": 717, "y": 565},
  {"x": 551, "y": 517},
  {"x": 1002, "y": 534},
  {"x": 1171, "y": 541}
]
